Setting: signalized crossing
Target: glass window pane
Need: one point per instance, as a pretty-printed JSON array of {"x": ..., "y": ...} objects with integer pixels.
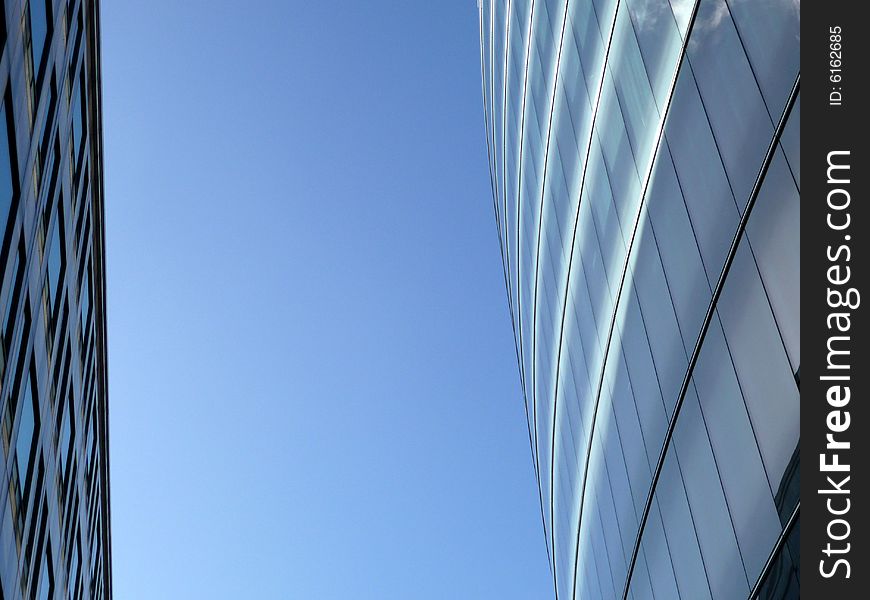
[
  {"x": 774, "y": 232},
  {"x": 38, "y": 30},
  {"x": 644, "y": 382},
  {"x": 663, "y": 332},
  {"x": 770, "y": 32},
  {"x": 679, "y": 528},
  {"x": 707, "y": 501},
  {"x": 27, "y": 428},
  {"x": 54, "y": 263},
  {"x": 762, "y": 366},
  {"x": 658, "y": 556},
  {"x": 7, "y": 167},
  {"x": 732, "y": 100},
  {"x": 749, "y": 498},
  {"x": 711, "y": 207},
  {"x": 681, "y": 259}
]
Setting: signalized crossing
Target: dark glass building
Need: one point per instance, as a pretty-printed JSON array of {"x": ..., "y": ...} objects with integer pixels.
[
  {"x": 645, "y": 168},
  {"x": 54, "y": 492}
]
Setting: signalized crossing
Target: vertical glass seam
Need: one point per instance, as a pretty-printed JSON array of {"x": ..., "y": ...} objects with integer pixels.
[
  {"x": 534, "y": 315},
  {"x": 528, "y": 47},
  {"x": 627, "y": 261}
]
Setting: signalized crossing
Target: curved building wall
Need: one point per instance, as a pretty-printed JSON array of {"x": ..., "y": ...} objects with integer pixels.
[{"x": 645, "y": 170}]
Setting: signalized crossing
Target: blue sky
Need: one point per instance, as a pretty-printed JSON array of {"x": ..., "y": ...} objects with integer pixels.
[{"x": 312, "y": 379}]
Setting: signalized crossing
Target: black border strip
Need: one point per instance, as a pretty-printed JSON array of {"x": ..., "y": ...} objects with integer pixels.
[{"x": 835, "y": 47}]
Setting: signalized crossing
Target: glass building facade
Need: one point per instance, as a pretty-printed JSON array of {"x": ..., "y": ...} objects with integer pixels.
[
  {"x": 54, "y": 495},
  {"x": 645, "y": 168}
]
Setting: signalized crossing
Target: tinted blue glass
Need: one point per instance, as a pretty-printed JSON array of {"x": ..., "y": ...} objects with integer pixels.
[
  {"x": 72, "y": 581},
  {"x": 679, "y": 527},
  {"x": 65, "y": 439},
  {"x": 731, "y": 97},
  {"x": 77, "y": 130},
  {"x": 486, "y": 49},
  {"x": 610, "y": 282},
  {"x": 602, "y": 486},
  {"x": 663, "y": 332},
  {"x": 591, "y": 32},
  {"x": 497, "y": 79},
  {"x": 681, "y": 258},
  {"x": 749, "y": 498},
  {"x": 574, "y": 406},
  {"x": 516, "y": 69},
  {"x": 712, "y": 211},
  {"x": 659, "y": 41},
  {"x": 644, "y": 381},
  {"x": 51, "y": 365},
  {"x": 38, "y": 29},
  {"x": 770, "y": 32},
  {"x": 762, "y": 366},
  {"x": 588, "y": 579},
  {"x": 537, "y": 97},
  {"x": 551, "y": 23},
  {"x": 630, "y": 433},
  {"x": 606, "y": 576},
  {"x": 774, "y": 233},
  {"x": 682, "y": 10},
  {"x": 85, "y": 300},
  {"x": 6, "y": 169},
  {"x": 45, "y": 584},
  {"x": 658, "y": 556},
  {"x": 621, "y": 169},
  {"x": 619, "y": 491},
  {"x": 641, "y": 586},
  {"x": 633, "y": 91},
  {"x": 26, "y": 432},
  {"x": 609, "y": 249},
  {"x": 716, "y": 537},
  {"x": 54, "y": 262}
]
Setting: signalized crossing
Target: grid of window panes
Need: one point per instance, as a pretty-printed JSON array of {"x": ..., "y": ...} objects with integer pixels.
[
  {"x": 54, "y": 503},
  {"x": 645, "y": 168}
]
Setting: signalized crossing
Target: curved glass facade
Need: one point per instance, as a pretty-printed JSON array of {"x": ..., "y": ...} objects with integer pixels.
[{"x": 645, "y": 169}]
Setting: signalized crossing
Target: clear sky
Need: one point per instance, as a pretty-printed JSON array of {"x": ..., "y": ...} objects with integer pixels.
[{"x": 313, "y": 386}]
